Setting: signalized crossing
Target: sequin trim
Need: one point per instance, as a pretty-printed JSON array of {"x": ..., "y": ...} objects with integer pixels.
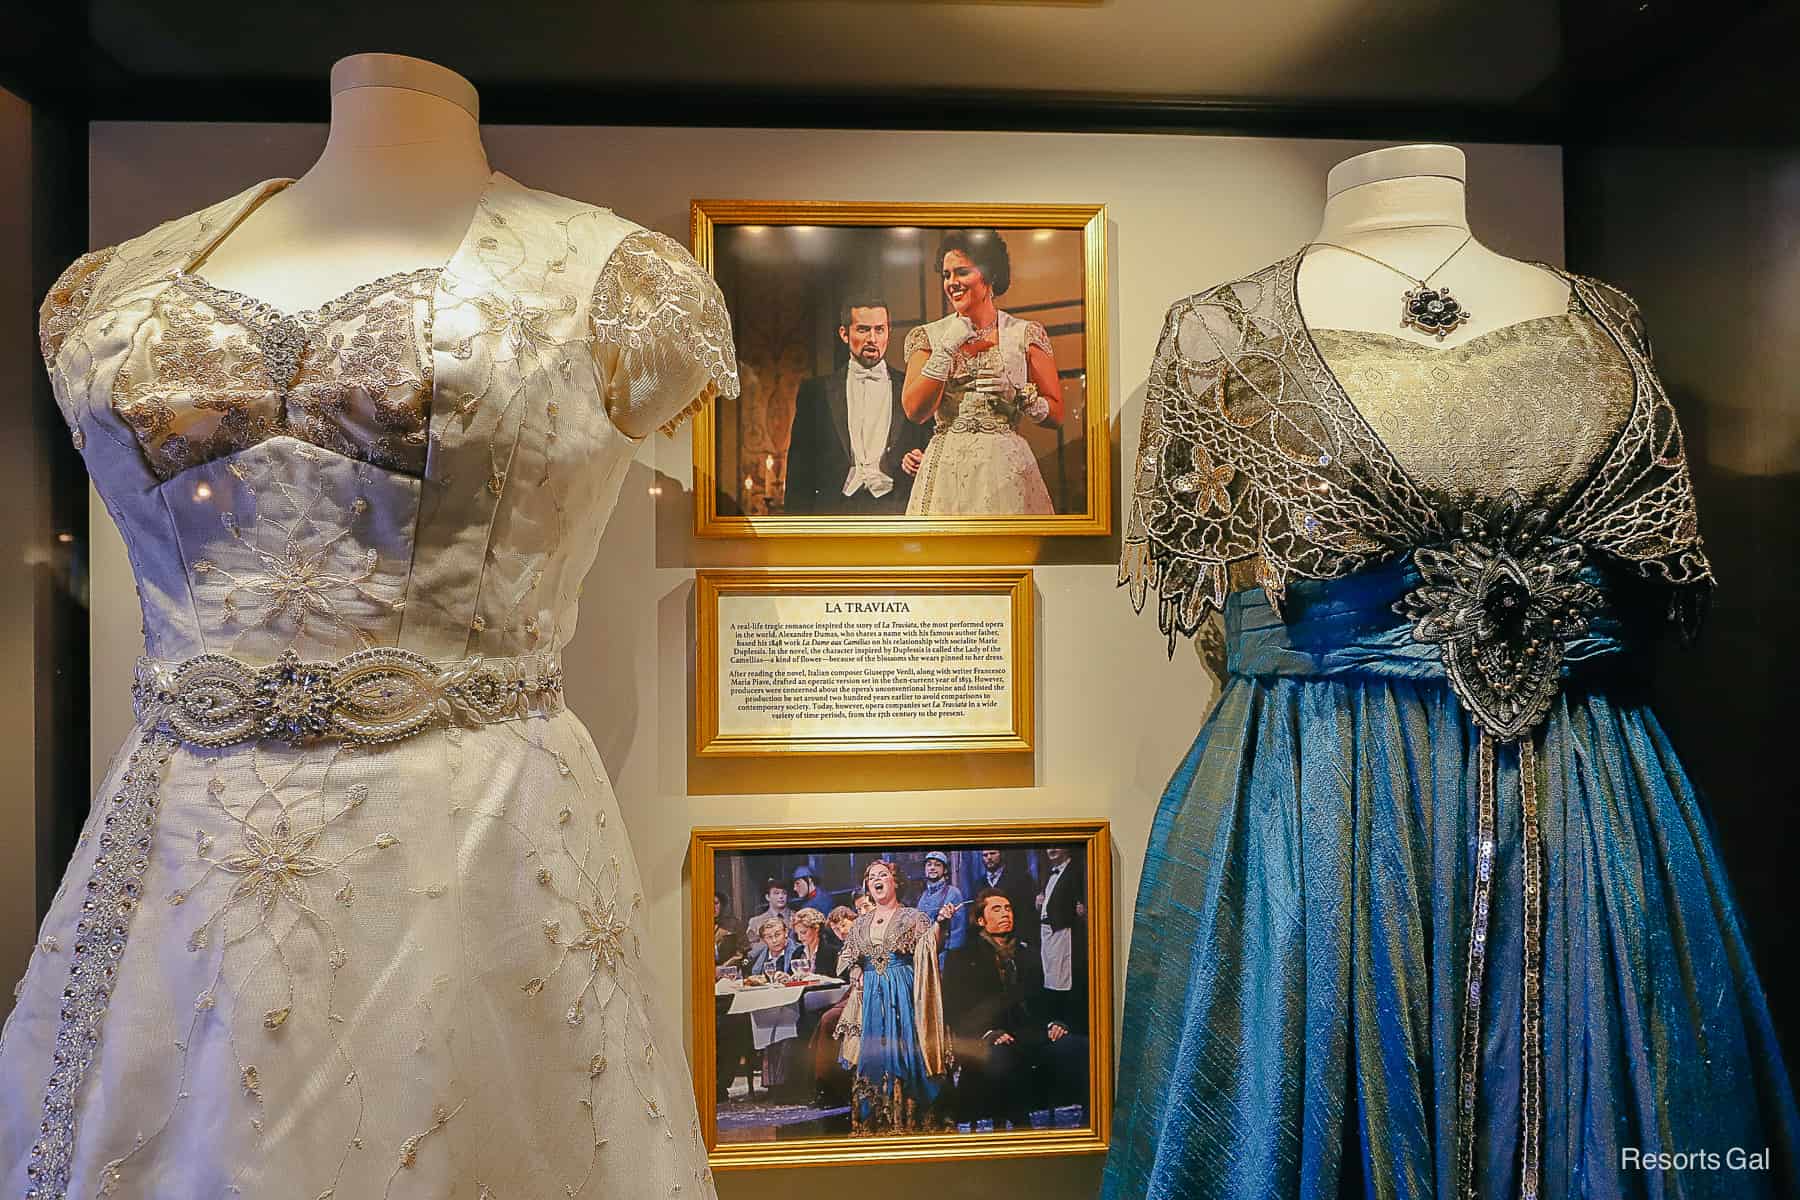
[
  {"x": 1531, "y": 1040},
  {"x": 1531, "y": 1006},
  {"x": 114, "y": 889},
  {"x": 1469, "y": 1064}
]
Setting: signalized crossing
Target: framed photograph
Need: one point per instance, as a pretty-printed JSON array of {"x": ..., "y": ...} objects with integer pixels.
[
  {"x": 908, "y": 369},
  {"x": 902, "y": 992},
  {"x": 863, "y": 661}
]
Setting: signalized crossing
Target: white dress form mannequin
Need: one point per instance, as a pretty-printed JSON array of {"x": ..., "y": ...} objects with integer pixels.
[
  {"x": 1406, "y": 205},
  {"x": 394, "y": 190}
]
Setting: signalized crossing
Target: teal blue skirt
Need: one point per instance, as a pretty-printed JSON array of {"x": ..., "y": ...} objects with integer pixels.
[
  {"x": 894, "y": 1091},
  {"x": 1295, "y": 995}
]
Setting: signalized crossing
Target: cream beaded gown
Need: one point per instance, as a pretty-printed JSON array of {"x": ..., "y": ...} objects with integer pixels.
[{"x": 354, "y": 914}]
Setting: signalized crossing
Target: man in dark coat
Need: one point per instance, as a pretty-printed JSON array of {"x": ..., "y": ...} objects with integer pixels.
[
  {"x": 1012, "y": 1054},
  {"x": 852, "y": 451},
  {"x": 1009, "y": 875},
  {"x": 1062, "y": 936}
]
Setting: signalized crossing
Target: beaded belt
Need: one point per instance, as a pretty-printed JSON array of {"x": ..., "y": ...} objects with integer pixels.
[
  {"x": 985, "y": 423},
  {"x": 378, "y": 695}
]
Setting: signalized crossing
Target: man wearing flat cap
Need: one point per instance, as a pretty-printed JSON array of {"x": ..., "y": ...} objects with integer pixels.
[{"x": 938, "y": 892}]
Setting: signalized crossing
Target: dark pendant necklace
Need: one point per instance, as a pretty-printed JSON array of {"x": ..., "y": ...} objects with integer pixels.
[
  {"x": 1425, "y": 308},
  {"x": 1432, "y": 310}
]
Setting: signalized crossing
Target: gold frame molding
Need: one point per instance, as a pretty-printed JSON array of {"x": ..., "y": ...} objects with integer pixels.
[
  {"x": 1095, "y": 835},
  {"x": 708, "y": 215},
  {"x": 1015, "y": 582}
]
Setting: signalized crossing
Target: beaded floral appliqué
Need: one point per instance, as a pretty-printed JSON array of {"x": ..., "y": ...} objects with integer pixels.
[{"x": 1501, "y": 601}]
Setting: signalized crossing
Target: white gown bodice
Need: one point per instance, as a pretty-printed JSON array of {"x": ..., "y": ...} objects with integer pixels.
[{"x": 426, "y": 461}]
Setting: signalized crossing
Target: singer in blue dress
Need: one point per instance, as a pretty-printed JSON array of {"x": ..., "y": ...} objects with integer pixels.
[
  {"x": 1430, "y": 909},
  {"x": 893, "y": 1036}
]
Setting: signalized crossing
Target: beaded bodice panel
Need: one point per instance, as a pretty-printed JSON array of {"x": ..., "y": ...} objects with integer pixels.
[
  {"x": 1529, "y": 407},
  {"x": 227, "y": 371},
  {"x": 1265, "y": 455},
  {"x": 876, "y": 949},
  {"x": 965, "y": 410},
  {"x": 426, "y": 461}
]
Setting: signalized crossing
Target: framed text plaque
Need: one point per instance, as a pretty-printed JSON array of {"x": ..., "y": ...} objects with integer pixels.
[{"x": 863, "y": 661}]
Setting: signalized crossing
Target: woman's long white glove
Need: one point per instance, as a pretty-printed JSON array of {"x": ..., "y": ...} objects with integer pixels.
[
  {"x": 945, "y": 336},
  {"x": 1033, "y": 404}
]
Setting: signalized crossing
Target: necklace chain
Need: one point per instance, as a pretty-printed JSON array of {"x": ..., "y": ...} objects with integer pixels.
[
  {"x": 1460, "y": 246},
  {"x": 1430, "y": 310}
]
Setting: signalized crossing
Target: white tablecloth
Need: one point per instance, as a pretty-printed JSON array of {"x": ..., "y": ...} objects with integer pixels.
[
  {"x": 775, "y": 1011},
  {"x": 759, "y": 999}
]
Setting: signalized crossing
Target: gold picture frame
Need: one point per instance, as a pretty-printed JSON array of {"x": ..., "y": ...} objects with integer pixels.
[
  {"x": 1013, "y": 584},
  {"x": 1090, "y": 470},
  {"x": 820, "y": 1136}
]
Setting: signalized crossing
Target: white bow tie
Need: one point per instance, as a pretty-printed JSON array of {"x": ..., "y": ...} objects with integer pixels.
[{"x": 875, "y": 374}]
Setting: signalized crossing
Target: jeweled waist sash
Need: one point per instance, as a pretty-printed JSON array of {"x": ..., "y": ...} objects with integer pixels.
[{"x": 377, "y": 695}]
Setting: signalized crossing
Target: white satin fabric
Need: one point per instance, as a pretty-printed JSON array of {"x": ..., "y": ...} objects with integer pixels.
[{"x": 411, "y": 970}]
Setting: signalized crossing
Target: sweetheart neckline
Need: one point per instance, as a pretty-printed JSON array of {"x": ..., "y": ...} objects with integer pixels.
[
  {"x": 1288, "y": 280},
  {"x": 308, "y": 318},
  {"x": 1398, "y": 339}
]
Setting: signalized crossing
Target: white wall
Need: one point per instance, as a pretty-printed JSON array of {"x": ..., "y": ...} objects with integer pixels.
[{"x": 1114, "y": 714}]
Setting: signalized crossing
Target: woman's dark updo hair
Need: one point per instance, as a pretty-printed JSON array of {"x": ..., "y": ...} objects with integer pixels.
[{"x": 986, "y": 249}]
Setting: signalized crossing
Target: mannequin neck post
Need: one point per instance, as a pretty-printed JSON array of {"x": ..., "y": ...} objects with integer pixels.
[{"x": 1421, "y": 204}]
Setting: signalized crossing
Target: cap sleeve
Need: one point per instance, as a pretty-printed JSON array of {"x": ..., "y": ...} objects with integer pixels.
[
  {"x": 65, "y": 307},
  {"x": 660, "y": 334},
  {"x": 916, "y": 341},
  {"x": 67, "y": 301},
  {"x": 1037, "y": 337}
]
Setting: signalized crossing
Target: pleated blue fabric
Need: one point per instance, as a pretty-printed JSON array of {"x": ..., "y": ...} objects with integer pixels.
[
  {"x": 1296, "y": 985},
  {"x": 894, "y": 1090}
]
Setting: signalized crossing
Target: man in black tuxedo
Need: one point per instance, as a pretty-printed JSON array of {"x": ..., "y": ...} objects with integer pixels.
[
  {"x": 852, "y": 451},
  {"x": 1013, "y": 1053}
]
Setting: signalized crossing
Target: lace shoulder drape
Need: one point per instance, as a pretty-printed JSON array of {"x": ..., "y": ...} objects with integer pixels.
[
  {"x": 905, "y": 929},
  {"x": 661, "y": 335},
  {"x": 1254, "y": 468}
]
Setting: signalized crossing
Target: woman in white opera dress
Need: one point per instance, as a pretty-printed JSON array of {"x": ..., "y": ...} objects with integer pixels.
[{"x": 977, "y": 372}]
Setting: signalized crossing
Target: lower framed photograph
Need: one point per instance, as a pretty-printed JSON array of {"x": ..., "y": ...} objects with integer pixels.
[{"x": 902, "y": 992}]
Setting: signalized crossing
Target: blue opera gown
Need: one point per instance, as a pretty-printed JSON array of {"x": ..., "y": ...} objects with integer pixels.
[
  {"x": 895, "y": 1090},
  {"x": 1299, "y": 985}
]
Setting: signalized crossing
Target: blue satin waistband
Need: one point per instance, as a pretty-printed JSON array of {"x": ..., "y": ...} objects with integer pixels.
[{"x": 1348, "y": 626}]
